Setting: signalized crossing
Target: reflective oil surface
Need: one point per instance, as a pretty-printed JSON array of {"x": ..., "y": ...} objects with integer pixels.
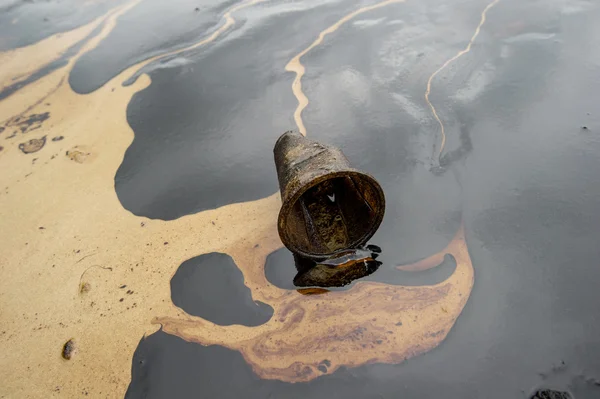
[{"x": 139, "y": 216}]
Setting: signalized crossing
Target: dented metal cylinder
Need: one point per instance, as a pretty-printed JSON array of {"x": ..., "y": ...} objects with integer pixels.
[{"x": 327, "y": 206}]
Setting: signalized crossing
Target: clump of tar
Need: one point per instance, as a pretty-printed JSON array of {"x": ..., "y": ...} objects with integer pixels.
[{"x": 68, "y": 349}]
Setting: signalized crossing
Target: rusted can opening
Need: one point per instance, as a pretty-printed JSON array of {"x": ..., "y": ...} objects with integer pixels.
[{"x": 327, "y": 206}]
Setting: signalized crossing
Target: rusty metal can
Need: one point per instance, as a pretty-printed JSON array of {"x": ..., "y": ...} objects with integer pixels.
[{"x": 327, "y": 206}]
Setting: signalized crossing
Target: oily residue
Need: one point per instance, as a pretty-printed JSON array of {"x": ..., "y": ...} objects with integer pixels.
[
  {"x": 20, "y": 64},
  {"x": 295, "y": 65},
  {"x": 229, "y": 21},
  {"x": 351, "y": 327},
  {"x": 348, "y": 328},
  {"x": 216, "y": 276},
  {"x": 444, "y": 65}
]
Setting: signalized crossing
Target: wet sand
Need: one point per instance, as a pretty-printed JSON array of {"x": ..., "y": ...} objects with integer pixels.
[{"x": 139, "y": 194}]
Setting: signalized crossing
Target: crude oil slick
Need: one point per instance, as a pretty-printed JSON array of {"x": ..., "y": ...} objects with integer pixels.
[{"x": 165, "y": 182}]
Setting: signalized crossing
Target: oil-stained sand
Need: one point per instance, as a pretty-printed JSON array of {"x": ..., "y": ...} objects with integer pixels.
[{"x": 346, "y": 328}]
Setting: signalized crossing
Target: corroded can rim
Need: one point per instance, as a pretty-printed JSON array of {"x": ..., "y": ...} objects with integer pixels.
[{"x": 289, "y": 203}]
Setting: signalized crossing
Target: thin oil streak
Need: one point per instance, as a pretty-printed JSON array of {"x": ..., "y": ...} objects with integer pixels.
[
  {"x": 229, "y": 21},
  {"x": 445, "y": 64},
  {"x": 108, "y": 22},
  {"x": 294, "y": 65}
]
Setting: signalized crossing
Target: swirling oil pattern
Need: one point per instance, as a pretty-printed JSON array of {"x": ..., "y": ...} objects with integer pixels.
[{"x": 137, "y": 197}]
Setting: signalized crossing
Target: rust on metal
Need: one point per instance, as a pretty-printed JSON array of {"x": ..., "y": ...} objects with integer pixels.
[{"x": 327, "y": 206}]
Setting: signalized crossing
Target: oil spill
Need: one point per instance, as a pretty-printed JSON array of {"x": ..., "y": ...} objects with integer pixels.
[
  {"x": 177, "y": 21},
  {"x": 164, "y": 365},
  {"x": 52, "y": 66},
  {"x": 526, "y": 189},
  {"x": 220, "y": 132},
  {"x": 352, "y": 327},
  {"x": 299, "y": 364},
  {"x": 282, "y": 269},
  {"x": 159, "y": 370},
  {"x": 212, "y": 287},
  {"x": 25, "y": 22},
  {"x": 528, "y": 186}
]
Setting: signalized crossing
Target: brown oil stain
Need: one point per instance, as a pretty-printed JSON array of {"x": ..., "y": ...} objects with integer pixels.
[
  {"x": 371, "y": 322},
  {"x": 350, "y": 328}
]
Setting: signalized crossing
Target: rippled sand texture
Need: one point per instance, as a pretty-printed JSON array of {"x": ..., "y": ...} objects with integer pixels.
[{"x": 76, "y": 265}]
